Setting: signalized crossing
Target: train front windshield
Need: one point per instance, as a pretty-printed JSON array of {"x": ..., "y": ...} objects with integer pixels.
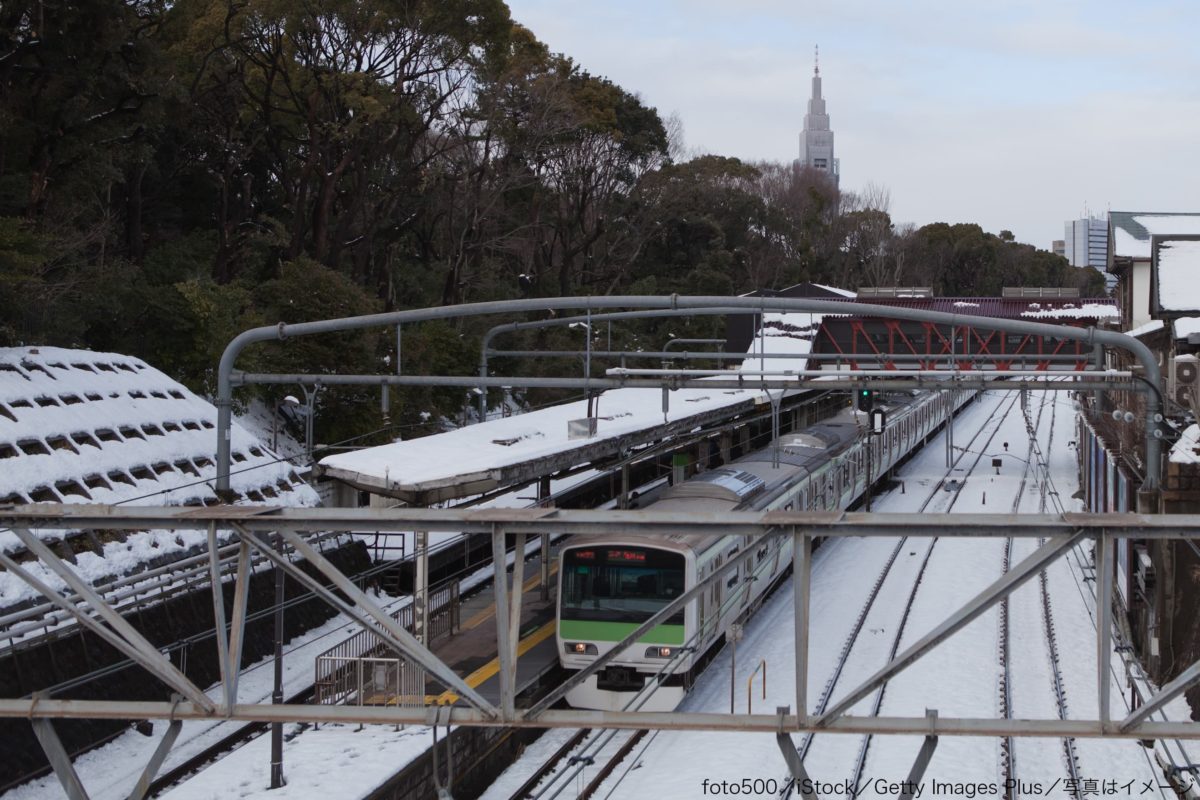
[{"x": 626, "y": 584}]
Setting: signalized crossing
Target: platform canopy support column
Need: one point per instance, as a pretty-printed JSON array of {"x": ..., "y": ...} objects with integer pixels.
[
  {"x": 544, "y": 502},
  {"x": 421, "y": 587}
]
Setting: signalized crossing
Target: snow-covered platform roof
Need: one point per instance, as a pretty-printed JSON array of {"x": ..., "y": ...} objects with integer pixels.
[
  {"x": 78, "y": 426},
  {"x": 515, "y": 450}
]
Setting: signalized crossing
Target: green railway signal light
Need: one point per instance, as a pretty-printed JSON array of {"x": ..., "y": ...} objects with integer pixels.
[{"x": 865, "y": 400}]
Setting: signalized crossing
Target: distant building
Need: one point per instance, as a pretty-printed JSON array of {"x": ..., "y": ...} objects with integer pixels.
[
  {"x": 1086, "y": 242},
  {"x": 816, "y": 142},
  {"x": 1059, "y": 247}
]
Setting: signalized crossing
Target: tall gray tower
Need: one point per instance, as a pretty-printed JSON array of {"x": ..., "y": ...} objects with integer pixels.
[{"x": 816, "y": 142}]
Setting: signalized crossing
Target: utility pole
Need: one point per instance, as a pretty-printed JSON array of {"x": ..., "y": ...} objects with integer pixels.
[{"x": 277, "y": 695}]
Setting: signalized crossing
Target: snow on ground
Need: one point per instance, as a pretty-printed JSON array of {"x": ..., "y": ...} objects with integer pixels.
[
  {"x": 109, "y": 772},
  {"x": 959, "y": 677}
]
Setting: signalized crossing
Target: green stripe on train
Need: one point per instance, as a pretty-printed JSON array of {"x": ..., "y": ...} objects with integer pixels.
[{"x": 588, "y": 631}]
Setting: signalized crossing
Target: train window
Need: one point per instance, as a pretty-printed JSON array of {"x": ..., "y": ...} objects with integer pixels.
[{"x": 626, "y": 584}]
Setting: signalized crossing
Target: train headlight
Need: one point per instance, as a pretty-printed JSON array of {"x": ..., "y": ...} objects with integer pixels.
[
  {"x": 581, "y": 649},
  {"x": 660, "y": 652}
]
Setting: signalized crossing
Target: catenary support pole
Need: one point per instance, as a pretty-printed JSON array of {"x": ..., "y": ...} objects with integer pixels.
[
  {"x": 277, "y": 692},
  {"x": 1104, "y": 585},
  {"x": 801, "y": 588}
]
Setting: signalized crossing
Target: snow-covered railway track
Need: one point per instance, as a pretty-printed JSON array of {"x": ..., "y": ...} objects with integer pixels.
[
  {"x": 573, "y": 761},
  {"x": 1007, "y": 755},
  {"x": 941, "y": 507},
  {"x": 943, "y": 487}
]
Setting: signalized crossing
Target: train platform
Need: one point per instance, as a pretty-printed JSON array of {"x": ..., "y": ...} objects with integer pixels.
[{"x": 471, "y": 649}]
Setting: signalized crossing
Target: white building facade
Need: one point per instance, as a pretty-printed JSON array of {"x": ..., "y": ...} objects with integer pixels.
[{"x": 1086, "y": 242}]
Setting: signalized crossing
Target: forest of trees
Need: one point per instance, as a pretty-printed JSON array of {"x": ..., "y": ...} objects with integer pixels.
[{"x": 174, "y": 172}]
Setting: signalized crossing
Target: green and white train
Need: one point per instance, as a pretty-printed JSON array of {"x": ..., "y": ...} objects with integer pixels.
[{"x": 610, "y": 584}]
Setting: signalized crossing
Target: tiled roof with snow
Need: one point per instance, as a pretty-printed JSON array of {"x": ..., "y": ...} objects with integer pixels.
[
  {"x": 1084, "y": 309},
  {"x": 80, "y": 427},
  {"x": 1177, "y": 274},
  {"x": 1069, "y": 310},
  {"x": 1131, "y": 230},
  {"x": 84, "y": 427}
]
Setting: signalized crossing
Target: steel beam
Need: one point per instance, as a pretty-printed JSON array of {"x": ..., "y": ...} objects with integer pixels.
[
  {"x": 141, "y": 650},
  {"x": 1034, "y": 563},
  {"x": 515, "y": 598},
  {"x": 799, "y": 775},
  {"x": 156, "y": 760},
  {"x": 1184, "y": 681},
  {"x": 922, "y": 760},
  {"x": 405, "y": 642},
  {"x": 469, "y": 521},
  {"x": 60, "y": 761},
  {"x": 931, "y": 380},
  {"x": 1104, "y": 584},
  {"x": 504, "y": 650},
  {"x": 801, "y": 585},
  {"x": 220, "y": 629},
  {"x": 571, "y": 718},
  {"x": 237, "y": 626}
]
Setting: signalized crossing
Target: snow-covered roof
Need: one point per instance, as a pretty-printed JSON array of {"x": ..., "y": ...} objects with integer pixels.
[
  {"x": 1187, "y": 449},
  {"x": 1073, "y": 308},
  {"x": 1131, "y": 230},
  {"x": 506, "y": 451},
  {"x": 1177, "y": 273},
  {"x": 836, "y": 290},
  {"x": 84, "y": 427},
  {"x": 1150, "y": 327},
  {"x": 1186, "y": 327},
  {"x": 1071, "y": 311},
  {"x": 783, "y": 333}
]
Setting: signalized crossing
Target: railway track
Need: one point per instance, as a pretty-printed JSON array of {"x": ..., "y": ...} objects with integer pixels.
[
  {"x": 855, "y": 630},
  {"x": 1038, "y": 460},
  {"x": 860, "y": 761},
  {"x": 1007, "y": 755},
  {"x": 576, "y": 755}
]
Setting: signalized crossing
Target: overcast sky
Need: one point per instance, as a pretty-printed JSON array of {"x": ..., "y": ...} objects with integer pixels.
[{"x": 1014, "y": 114}]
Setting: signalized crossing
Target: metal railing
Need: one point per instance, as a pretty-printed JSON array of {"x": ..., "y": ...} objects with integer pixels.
[
  {"x": 340, "y": 666},
  {"x": 370, "y": 681}
]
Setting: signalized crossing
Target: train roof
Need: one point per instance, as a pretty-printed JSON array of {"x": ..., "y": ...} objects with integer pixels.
[{"x": 675, "y": 542}]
